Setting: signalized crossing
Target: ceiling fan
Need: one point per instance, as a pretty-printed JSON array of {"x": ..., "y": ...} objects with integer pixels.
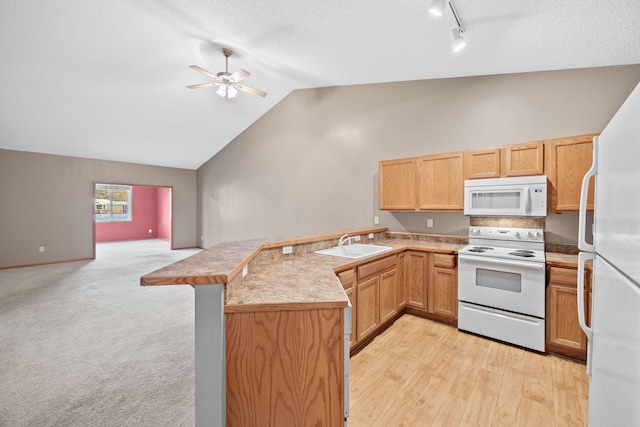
[{"x": 227, "y": 82}]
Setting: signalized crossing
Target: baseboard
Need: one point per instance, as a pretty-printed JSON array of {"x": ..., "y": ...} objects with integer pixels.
[{"x": 45, "y": 263}]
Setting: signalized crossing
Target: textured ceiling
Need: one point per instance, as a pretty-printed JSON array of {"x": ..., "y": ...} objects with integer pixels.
[{"x": 106, "y": 79}]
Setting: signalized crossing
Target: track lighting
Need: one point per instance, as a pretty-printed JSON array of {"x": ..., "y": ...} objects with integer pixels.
[{"x": 457, "y": 33}]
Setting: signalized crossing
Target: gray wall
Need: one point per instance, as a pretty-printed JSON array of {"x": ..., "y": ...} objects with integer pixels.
[
  {"x": 48, "y": 201},
  {"x": 311, "y": 163}
]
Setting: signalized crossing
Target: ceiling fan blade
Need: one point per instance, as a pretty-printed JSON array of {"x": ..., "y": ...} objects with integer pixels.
[
  {"x": 239, "y": 75},
  {"x": 203, "y": 85},
  {"x": 203, "y": 71},
  {"x": 251, "y": 90}
]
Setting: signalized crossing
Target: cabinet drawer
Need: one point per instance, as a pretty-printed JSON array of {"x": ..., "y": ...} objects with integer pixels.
[
  {"x": 444, "y": 260},
  {"x": 347, "y": 278},
  {"x": 376, "y": 267},
  {"x": 566, "y": 276}
]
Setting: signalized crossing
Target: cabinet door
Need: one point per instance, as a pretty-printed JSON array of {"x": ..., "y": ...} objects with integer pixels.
[
  {"x": 351, "y": 294},
  {"x": 441, "y": 182},
  {"x": 416, "y": 278},
  {"x": 388, "y": 295},
  {"x": 483, "y": 163},
  {"x": 568, "y": 161},
  {"x": 564, "y": 334},
  {"x": 524, "y": 159},
  {"x": 397, "y": 184},
  {"x": 368, "y": 308},
  {"x": 443, "y": 287}
]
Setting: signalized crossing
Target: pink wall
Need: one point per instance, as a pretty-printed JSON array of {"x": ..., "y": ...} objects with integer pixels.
[
  {"x": 164, "y": 213},
  {"x": 144, "y": 217}
]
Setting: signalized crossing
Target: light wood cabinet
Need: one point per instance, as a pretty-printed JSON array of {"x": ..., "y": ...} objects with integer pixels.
[
  {"x": 388, "y": 295},
  {"x": 348, "y": 280},
  {"x": 402, "y": 283},
  {"x": 523, "y": 159},
  {"x": 564, "y": 335},
  {"x": 368, "y": 308},
  {"x": 416, "y": 266},
  {"x": 568, "y": 160},
  {"x": 397, "y": 184},
  {"x": 508, "y": 161},
  {"x": 441, "y": 182},
  {"x": 442, "y": 294},
  {"x": 483, "y": 163},
  {"x": 377, "y": 295}
]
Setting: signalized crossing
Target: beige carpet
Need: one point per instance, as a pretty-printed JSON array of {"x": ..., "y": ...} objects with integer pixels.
[{"x": 82, "y": 344}]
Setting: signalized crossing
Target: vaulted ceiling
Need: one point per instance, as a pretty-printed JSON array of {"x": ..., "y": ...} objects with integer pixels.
[{"x": 107, "y": 79}]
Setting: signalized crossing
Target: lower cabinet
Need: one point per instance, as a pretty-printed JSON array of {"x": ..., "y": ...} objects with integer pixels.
[
  {"x": 416, "y": 266},
  {"x": 564, "y": 335},
  {"x": 442, "y": 294},
  {"x": 377, "y": 296}
]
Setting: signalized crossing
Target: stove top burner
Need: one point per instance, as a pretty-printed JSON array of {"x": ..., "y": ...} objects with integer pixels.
[
  {"x": 524, "y": 254},
  {"x": 480, "y": 249}
]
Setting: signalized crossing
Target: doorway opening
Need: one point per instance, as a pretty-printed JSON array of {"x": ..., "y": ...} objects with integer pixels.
[{"x": 129, "y": 212}]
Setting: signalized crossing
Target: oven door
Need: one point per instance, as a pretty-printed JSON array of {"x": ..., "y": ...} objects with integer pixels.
[{"x": 517, "y": 286}]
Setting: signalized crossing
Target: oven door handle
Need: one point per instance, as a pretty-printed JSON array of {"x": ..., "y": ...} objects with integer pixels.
[{"x": 489, "y": 261}]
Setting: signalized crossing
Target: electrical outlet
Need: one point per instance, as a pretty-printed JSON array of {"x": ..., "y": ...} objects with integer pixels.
[
  {"x": 41, "y": 248},
  {"x": 245, "y": 270},
  {"x": 430, "y": 222},
  {"x": 356, "y": 238},
  {"x": 376, "y": 220},
  {"x": 286, "y": 250},
  {"x": 371, "y": 235}
]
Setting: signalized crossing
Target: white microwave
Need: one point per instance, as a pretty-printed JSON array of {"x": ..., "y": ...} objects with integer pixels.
[{"x": 521, "y": 196}]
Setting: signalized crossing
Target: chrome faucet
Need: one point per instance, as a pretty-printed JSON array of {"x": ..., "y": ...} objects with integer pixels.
[{"x": 343, "y": 240}]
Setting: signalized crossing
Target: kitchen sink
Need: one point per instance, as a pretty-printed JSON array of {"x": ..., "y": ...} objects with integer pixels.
[{"x": 354, "y": 251}]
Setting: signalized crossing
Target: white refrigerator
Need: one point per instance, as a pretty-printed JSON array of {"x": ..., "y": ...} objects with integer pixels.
[{"x": 613, "y": 359}]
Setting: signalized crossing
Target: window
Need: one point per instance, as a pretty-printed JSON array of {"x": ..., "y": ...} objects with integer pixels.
[{"x": 113, "y": 202}]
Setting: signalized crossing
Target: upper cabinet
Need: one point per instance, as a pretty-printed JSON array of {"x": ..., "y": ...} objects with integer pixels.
[
  {"x": 398, "y": 180},
  {"x": 512, "y": 160},
  {"x": 483, "y": 163},
  {"x": 568, "y": 160},
  {"x": 524, "y": 159},
  {"x": 441, "y": 183},
  {"x": 436, "y": 182}
]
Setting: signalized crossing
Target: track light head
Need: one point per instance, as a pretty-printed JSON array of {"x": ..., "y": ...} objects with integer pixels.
[
  {"x": 437, "y": 7},
  {"x": 457, "y": 35}
]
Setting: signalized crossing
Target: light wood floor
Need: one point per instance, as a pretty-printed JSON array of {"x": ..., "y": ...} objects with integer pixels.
[{"x": 423, "y": 373}]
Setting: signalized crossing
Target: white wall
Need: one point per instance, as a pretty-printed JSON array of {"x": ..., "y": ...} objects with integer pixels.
[{"x": 311, "y": 163}]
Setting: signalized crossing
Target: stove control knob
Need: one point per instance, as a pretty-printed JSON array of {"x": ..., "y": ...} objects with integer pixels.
[
  {"x": 517, "y": 234},
  {"x": 475, "y": 231}
]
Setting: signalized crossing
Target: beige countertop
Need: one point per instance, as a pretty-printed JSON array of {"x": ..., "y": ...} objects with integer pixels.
[{"x": 296, "y": 280}]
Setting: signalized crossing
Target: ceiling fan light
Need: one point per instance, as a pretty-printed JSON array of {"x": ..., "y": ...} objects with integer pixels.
[
  {"x": 232, "y": 92},
  {"x": 222, "y": 90},
  {"x": 437, "y": 7},
  {"x": 458, "y": 39}
]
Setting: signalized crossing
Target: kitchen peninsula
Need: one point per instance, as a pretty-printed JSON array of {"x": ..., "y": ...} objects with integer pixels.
[{"x": 270, "y": 322}]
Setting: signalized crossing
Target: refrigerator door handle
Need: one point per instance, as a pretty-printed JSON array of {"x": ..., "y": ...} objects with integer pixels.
[
  {"x": 582, "y": 258},
  {"x": 584, "y": 191}
]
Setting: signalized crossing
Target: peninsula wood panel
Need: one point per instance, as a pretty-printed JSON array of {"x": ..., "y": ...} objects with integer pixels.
[
  {"x": 483, "y": 163},
  {"x": 523, "y": 159},
  {"x": 397, "y": 184},
  {"x": 568, "y": 160},
  {"x": 441, "y": 182},
  {"x": 285, "y": 368}
]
